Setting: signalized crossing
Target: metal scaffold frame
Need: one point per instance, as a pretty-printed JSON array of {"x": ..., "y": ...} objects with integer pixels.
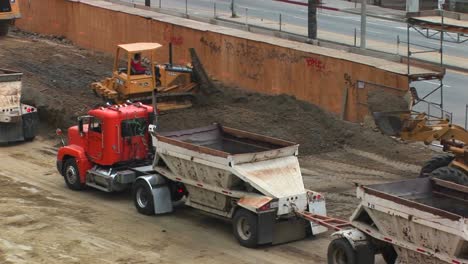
[{"x": 437, "y": 25}]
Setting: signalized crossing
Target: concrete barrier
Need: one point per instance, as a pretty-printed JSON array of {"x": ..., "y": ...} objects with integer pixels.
[{"x": 334, "y": 80}]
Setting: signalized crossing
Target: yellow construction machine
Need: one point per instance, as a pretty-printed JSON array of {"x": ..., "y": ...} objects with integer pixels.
[
  {"x": 411, "y": 126},
  {"x": 9, "y": 11},
  {"x": 136, "y": 74}
]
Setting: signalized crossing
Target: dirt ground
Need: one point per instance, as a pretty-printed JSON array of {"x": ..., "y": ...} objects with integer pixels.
[{"x": 44, "y": 222}]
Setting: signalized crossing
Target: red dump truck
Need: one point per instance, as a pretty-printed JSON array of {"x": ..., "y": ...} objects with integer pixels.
[{"x": 251, "y": 179}]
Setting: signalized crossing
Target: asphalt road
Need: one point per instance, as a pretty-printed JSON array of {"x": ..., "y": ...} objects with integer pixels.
[
  {"x": 334, "y": 21},
  {"x": 455, "y": 94}
]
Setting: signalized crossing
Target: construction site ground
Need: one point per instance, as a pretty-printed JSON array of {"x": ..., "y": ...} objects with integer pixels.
[{"x": 42, "y": 221}]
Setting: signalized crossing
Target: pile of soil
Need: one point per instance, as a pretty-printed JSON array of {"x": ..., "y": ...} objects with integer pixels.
[
  {"x": 280, "y": 116},
  {"x": 58, "y": 75}
]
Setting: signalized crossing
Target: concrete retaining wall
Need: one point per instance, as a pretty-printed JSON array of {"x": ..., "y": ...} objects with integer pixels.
[{"x": 325, "y": 77}]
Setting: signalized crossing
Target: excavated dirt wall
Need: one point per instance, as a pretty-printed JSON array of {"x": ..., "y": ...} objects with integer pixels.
[{"x": 325, "y": 77}]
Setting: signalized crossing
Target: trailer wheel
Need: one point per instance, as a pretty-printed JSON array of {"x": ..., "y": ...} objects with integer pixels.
[
  {"x": 143, "y": 198},
  {"x": 72, "y": 175},
  {"x": 435, "y": 163},
  {"x": 341, "y": 252},
  {"x": 450, "y": 174},
  {"x": 245, "y": 228}
]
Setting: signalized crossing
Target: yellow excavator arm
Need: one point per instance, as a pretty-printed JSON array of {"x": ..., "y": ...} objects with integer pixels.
[{"x": 410, "y": 127}]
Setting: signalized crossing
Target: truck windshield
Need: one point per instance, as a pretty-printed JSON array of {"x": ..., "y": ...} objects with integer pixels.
[{"x": 134, "y": 127}]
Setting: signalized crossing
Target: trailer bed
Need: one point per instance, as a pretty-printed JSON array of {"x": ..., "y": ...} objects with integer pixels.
[
  {"x": 438, "y": 197},
  {"x": 227, "y": 140}
]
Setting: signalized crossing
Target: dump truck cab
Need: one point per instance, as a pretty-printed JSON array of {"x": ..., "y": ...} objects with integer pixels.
[
  {"x": 9, "y": 11},
  {"x": 103, "y": 144}
]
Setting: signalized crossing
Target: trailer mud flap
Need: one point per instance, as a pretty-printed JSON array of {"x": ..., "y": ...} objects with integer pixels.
[
  {"x": 266, "y": 223},
  {"x": 30, "y": 125},
  {"x": 290, "y": 230},
  {"x": 11, "y": 132}
]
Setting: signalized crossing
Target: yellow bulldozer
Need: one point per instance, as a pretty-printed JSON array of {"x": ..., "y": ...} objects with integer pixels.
[
  {"x": 136, "y": 74},
  {"x": 9, "y": 11},
  {"x": 411, "y": 126}
]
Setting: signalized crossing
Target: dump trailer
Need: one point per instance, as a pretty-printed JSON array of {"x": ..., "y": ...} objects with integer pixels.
[
  {"x": 9, "y": 11},
  {"x": 252, "y": 179},
  {"x": 422, "y": 220},
  {"x": 18, "y": 121}
]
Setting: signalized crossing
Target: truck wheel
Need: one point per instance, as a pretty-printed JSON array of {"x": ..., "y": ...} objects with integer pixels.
[
  {"x": 341, "y": 252},
  {"x": 143, "y": 198},
  {"x": 435, "y": 163},
  {"x": 72, "y": 175},
  {"x": 450, "y": 174},
  {"x": 245, "y": 228}
]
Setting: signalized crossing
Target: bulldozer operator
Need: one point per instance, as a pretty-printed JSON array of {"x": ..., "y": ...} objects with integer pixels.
[{"x": 136, "y": 64}]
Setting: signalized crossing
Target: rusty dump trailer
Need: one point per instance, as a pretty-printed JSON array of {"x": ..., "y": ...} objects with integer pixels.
[
  {"x": 415, "y": 221},
  {"x": 252, "y": 179},
  {"x": 18, "y": 121}
]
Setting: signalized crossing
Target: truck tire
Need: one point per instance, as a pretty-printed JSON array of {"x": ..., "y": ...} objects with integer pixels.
[
  {"x": 71, "y": 174},
  {"x": 143, "y": 198},
  {"x": 450, "y": 174},
  {"x": 245, "y": 228},
  {"x": 434, "y": 163},
  {"x": 340, "y": 251}
]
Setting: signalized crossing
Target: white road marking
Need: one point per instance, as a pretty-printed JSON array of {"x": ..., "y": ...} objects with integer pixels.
[
  {"x": 375, "y": 32},
  {"x": 437, "y": 84}
]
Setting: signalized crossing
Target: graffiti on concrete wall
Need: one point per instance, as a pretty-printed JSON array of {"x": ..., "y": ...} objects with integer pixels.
[
  {"x": 348, "y": 80},
  {"x": 170, "y": 38},
  {"x": 213, "y": 47},
  {"x": 315, "y": 63},
  {"x": 253, "y": 59}
]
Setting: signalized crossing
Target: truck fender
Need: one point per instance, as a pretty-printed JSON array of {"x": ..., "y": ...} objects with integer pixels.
[
  {"x": 161, "y": 193},
  {"x": 355, "y": 237},
  {"x": 79, "y": 155}
]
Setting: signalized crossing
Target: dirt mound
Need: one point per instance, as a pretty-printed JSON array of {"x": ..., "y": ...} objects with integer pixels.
[
  {"x": 57, "y": 75},
  {"x": 279, "y": 116}
]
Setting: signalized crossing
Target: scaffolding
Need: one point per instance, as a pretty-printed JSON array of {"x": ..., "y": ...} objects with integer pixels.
[{"x": 437, "y": 25}]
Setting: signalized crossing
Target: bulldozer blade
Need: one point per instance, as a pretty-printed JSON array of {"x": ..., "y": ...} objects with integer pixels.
[
  {"x": 11, "y": 132},
  {"x": 390, "y": 123},
  {"x": 173, "y": 101}
]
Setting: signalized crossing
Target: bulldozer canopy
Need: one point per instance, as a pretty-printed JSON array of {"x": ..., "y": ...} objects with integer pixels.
[{"x": 140, "y": 46}]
